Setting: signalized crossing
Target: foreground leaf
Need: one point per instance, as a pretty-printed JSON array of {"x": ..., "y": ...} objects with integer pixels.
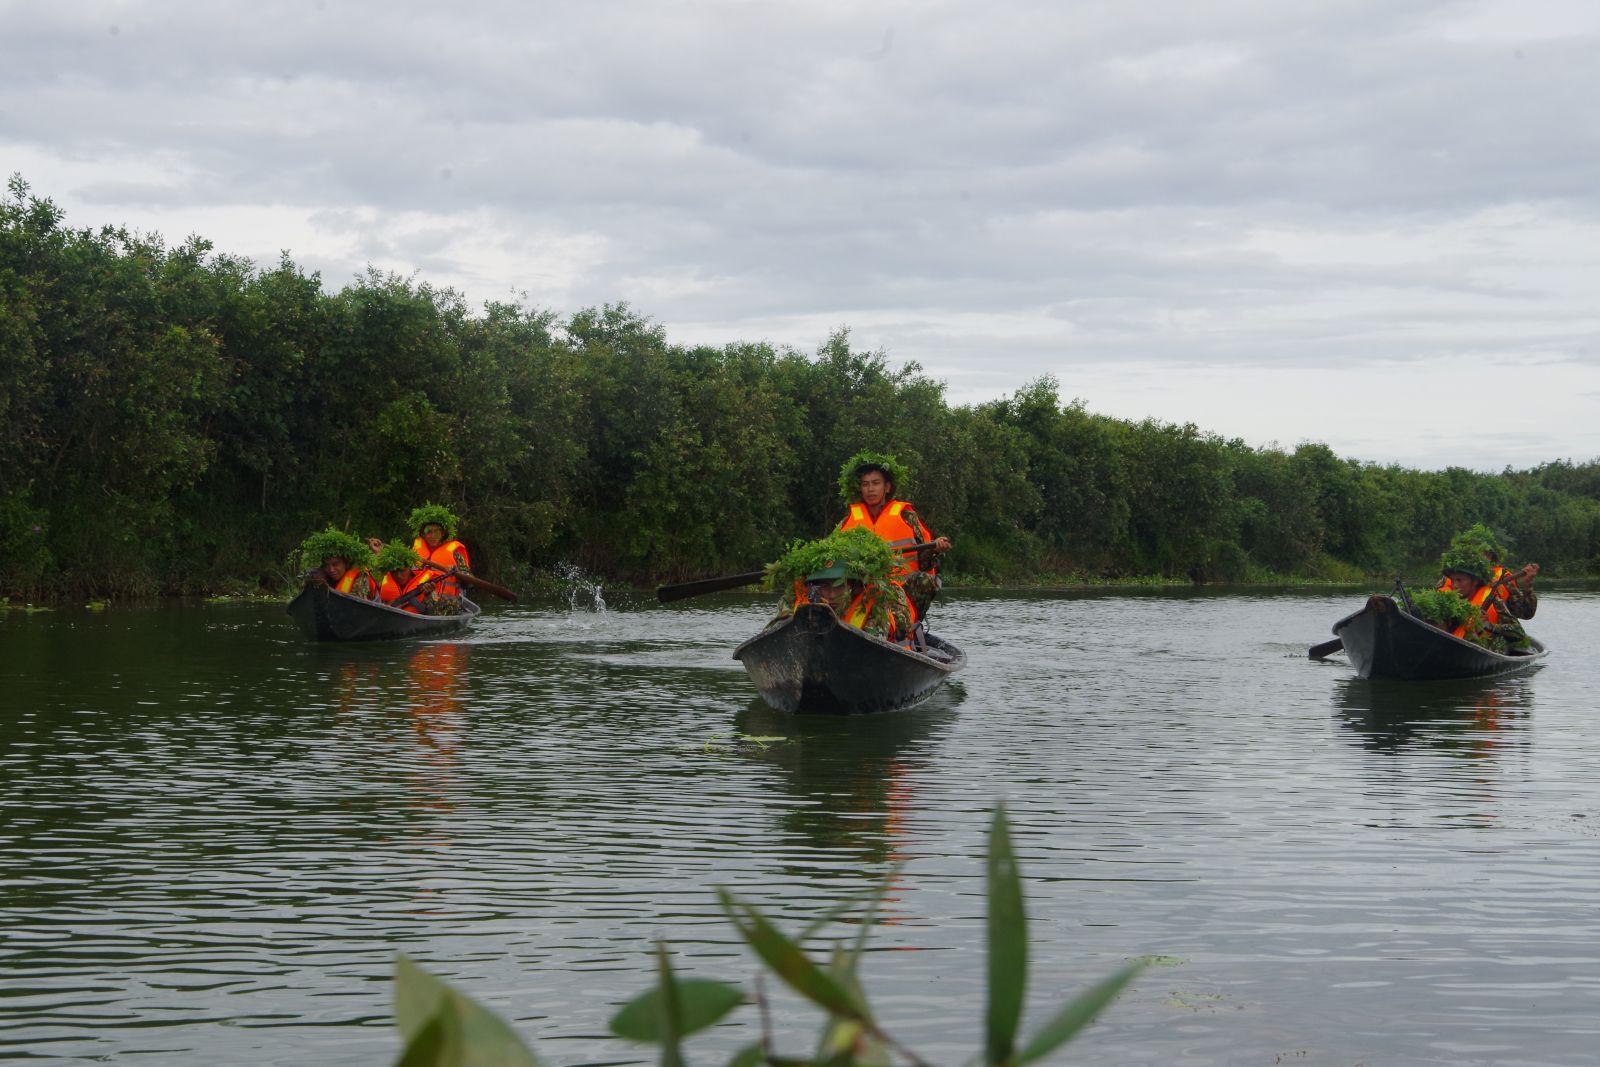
[
  {"x": 1078, "y": 1013},
  {"x": 443, "y": 1027},
  {"x": 870, "y": 897},
  {"x": 669, "y": 1015},
  {"x": 702, "y": 1002},
  {"x": 788, "y": 962},
  {"x": 1008, "y": 945}
]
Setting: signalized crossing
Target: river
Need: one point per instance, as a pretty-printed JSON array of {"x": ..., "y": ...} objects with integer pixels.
[{"x": 214, "y": 837}]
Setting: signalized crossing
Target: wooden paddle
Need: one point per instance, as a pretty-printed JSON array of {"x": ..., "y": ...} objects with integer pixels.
[
  {"x": 1326, "y": 649},
  {"x": 684, "y": 590},
  {"x": 471, "y": 579}
]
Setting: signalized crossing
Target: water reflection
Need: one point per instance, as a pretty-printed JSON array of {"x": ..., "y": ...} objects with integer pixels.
[
  {"x": 1472, "y": 717},
  {"x": 853, "y": 775},
  {"x": 435, "y": 680}
]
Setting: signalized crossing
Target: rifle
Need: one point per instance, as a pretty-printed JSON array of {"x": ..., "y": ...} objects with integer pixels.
[{"x": 1405, "y": 595}]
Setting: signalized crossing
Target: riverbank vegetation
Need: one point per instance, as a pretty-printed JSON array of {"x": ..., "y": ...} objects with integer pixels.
[{"x": 179, "y": 419}]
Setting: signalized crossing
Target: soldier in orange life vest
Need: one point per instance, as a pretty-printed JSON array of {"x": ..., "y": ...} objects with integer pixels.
[
  {"x": 443, "y": 557},
  {"x": 1516, "y": 591},
  {"x": 887, "y": 616},
  {"x": 398, "y": 566},
  {"x": 339, "y": 560},
  {"x": 868, "y": 482},
  {"x": 1468, "y": 574}
]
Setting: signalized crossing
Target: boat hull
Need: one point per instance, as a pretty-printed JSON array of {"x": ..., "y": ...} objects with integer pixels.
[
  {"x": 811, "y": 662},
  {"x": 325, "y": 614},
  {"x": 1384, "y": 641}
]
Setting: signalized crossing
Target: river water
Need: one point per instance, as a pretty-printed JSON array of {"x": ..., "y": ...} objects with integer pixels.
[{"x": 214, "y": 837}]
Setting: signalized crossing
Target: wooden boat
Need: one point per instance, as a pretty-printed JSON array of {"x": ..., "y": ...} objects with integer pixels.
[
  {"x": 812, "y": 662},
  {"x": 1385, "y": 641},
  {"x": 326, "y": 614}
]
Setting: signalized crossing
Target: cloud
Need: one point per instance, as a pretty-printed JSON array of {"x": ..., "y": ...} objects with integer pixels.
[{"x": 997, "y": 191}]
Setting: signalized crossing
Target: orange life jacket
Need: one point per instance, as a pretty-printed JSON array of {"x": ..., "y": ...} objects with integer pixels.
[
  {"x": 1490, "y": 614},
  {"x": 444, "y": 556},
  {"x": 890, "y": 526},
  {"x": 389, "y": 590},
  {"x": 1495, "y": 572},
  {"x": 348, "y": 582}
]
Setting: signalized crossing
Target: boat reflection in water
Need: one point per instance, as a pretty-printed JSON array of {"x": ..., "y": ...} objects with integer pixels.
[
  {"x": 852, "y": 777},
  {"x": 1468, "y": 717},
  {"x": 435, "y": 679}
]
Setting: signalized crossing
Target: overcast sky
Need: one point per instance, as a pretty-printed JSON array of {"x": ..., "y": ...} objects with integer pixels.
[{"x": 1347, "y": 221}]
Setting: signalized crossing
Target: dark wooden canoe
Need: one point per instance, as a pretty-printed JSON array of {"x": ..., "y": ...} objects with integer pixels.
[
  {"x": 326, "y": 614},
  {"x": 811, "y": 662},
  {"x": 1384, "y": 641}
]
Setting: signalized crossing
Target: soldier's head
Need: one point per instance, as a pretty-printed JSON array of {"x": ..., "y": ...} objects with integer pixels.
[
  {"x": 832, "y": 585},
  {"x": 1460, "y": 564},
  {"x": 1464, "y": 582},
  {"x": 432, "y": 534},
  {"x": 335, "y": 567},
  {"x": 877, "y": 484}
]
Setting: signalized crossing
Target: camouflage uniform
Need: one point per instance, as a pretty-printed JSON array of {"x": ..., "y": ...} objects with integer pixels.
[
  {"x": 1520, "y": 603},
  {"x": 433, "y": 603}
]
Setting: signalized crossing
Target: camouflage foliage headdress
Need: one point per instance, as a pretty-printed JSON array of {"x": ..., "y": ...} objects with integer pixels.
[
  {"x": 330, "y": 543},
  {"x": 850, "y": 481},
  {"x": 433, "y": 513},
  {"x": 862, "y": 555},
  {"x": 1470, "y": 561},
  {"x": 1480, "y": 539},
  {"x": 395, "y": 556}
]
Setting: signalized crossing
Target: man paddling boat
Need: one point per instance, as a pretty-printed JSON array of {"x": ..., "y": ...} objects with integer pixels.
[
  {"x": 869, "y": 482},
  {"x": 1515, "y": 592}
]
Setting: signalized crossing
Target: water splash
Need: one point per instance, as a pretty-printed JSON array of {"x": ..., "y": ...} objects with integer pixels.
[{"x": 581, "y": 589}]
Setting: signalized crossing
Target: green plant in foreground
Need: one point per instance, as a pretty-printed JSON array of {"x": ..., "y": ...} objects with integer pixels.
[{"x": 442, "y": 1027}]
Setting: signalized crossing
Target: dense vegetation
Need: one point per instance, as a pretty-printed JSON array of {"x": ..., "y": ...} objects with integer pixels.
[{"x": 179, "y": 420}]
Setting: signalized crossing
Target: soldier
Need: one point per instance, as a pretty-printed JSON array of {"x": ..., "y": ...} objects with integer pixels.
[
  {"x": 340, "y": 561},
  {"x": 868, "y": 483},
  {"x": 1468, "y": 574},
  {"x": 1516, "y": 591},
  {"x": 881, "y": 612}
]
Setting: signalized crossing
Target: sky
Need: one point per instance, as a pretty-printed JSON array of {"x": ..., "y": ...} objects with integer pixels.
[{"x": 1369, "y": 223}]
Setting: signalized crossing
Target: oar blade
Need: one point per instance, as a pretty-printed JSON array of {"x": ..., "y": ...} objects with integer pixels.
[
  {"x": 683, "y": 590},
  {"x": 1326, "y": 649}
]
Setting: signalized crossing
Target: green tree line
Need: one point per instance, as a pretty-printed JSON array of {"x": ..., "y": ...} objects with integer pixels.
[{"x": 178, "y": 420}]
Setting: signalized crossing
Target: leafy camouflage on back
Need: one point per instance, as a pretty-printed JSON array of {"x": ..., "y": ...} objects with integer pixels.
[{"x": 862, "y": 554}]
